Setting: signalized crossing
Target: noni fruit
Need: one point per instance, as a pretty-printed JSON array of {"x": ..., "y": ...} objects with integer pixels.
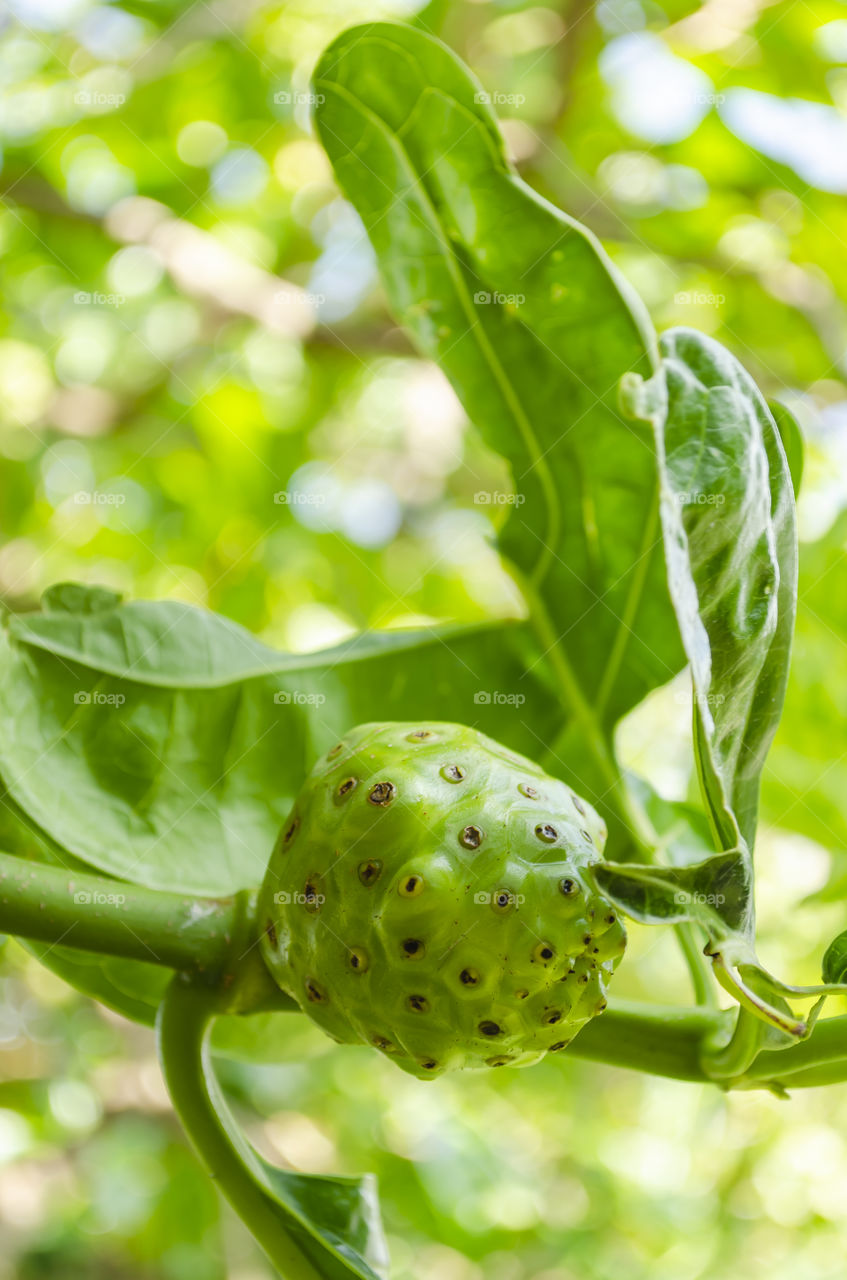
[{"x": 430, "y": 894}]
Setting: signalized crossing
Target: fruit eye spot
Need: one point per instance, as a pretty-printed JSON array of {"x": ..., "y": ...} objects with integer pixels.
[
  {"x": 413, "y": 948},
  {"x": 543, "y": 953},
  {"x": 546, "y": 832},
  {"x": 382, "y": 793},
  {"x": 344, "y": 788},
  {"x": 370, "y": 871},
  {"x": 611, "y": 918},
  {"x": 522, "y": 994},
  {"x": 419, "y": 735},
  {"x": 502, "y": 1061},
  {"x": 502, "y": 902},
  {"x": 312, "y": 897},
  {"x": 452, "y": 772},
  {"x": 429, "y": 1065},
  {"x": 560, "y": 1044},
  {"x": 469, "y": 977},
  {"x": 552, "y": 1016},
  {"x": 471, "y": 837},
  {"x": 314, "y": 993},
  {"x": 270, "y": 932},
  {"x": 586, "y": 835},
  {"x": 359, "y": 960},
  {"x": 291, "y": 830},
  {"x": 420, "y": 1004},
  {"x": 334, "y": 751},
  {"x": 490, "y": 1029},
  {"x": 587, "y": 940},
  {"x": 569, "y": 887},
  {"x": 583, "y": 978},
  {"x": 411, "y": 887},
  {"x": 380, "y": 1042},
  {"x": 578, "y": 805},
  {"x": 528, "y": 791}
]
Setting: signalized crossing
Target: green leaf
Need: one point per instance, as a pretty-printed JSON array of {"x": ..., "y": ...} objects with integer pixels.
[
  {"x": 727, "y": 511},
  {"x": 189, "y": 785},
  {"x": 834, "y": 967},
  {"x": 793, "y": 443},
  {"x": 534, "y": 327}
]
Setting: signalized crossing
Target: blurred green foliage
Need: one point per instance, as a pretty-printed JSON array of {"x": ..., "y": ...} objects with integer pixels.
[{"x": 202, "y": 396}]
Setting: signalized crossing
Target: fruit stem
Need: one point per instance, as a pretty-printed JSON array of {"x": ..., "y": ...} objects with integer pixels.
[
  {"x": 185, "y": 1018},
  {"x": 215, "y": 936}
]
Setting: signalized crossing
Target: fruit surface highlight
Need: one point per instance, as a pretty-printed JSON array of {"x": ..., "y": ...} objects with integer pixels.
[{"x": 430, "y": 895}]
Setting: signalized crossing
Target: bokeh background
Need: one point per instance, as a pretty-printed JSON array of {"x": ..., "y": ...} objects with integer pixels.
[{"x": 202, "y": 396}]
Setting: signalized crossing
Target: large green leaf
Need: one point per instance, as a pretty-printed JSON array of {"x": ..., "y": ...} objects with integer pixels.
[
  {"x": 534, "y": 327},
  {"x": 727, "y": 508},
  {"x": 185, "y": 788}
]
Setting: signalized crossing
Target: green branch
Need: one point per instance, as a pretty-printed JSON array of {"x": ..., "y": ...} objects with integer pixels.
[
  {"x": 213, "y": 936},
  {"x": 185, "y": 1018}
]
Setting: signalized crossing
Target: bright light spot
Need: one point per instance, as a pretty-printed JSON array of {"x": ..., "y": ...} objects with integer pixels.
[
  {"x": 25, "y": 383},
  {"x": 370, "y": 514},
  {"x": 134, "y": 271},
  {"x": 94, "y": 179},
  {"x": 346, "y": 269},
  {"x": 15, "y": 1136},
  {"x": 48, "y": 15},
  {"x": 111, "y": 33},
  {"x": 86, "y": 351},
  {"x": 201, "y": 143},
  {"x": 66, "y": 469},
  {"x": 299, "y": 163},
  {"x": 170, "y": 327},
  {"x": 239, "y": 177},
  {"x": 314, "y": 496},
  {"x": 74, "y": 1104},
  {"x": 809, "y": 137},
  {"x": 655, "y": 95},
  {"x": 831, "y": 40},
  {"x": 316, "y": 626}
]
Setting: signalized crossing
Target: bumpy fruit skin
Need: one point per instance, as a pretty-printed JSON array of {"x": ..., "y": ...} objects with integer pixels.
[{"x": 428, "y": 895}]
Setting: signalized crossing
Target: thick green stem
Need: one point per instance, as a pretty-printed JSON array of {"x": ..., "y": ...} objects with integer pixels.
[
  {"x": 185, "y": 1018},
  {"x": 663, "y": 1040},
  {"x": 215, "y": 936},
  {"x": 94, "y": 913}
]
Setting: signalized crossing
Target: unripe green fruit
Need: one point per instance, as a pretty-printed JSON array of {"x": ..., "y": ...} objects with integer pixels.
[{"x": 428, "y": 895}]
